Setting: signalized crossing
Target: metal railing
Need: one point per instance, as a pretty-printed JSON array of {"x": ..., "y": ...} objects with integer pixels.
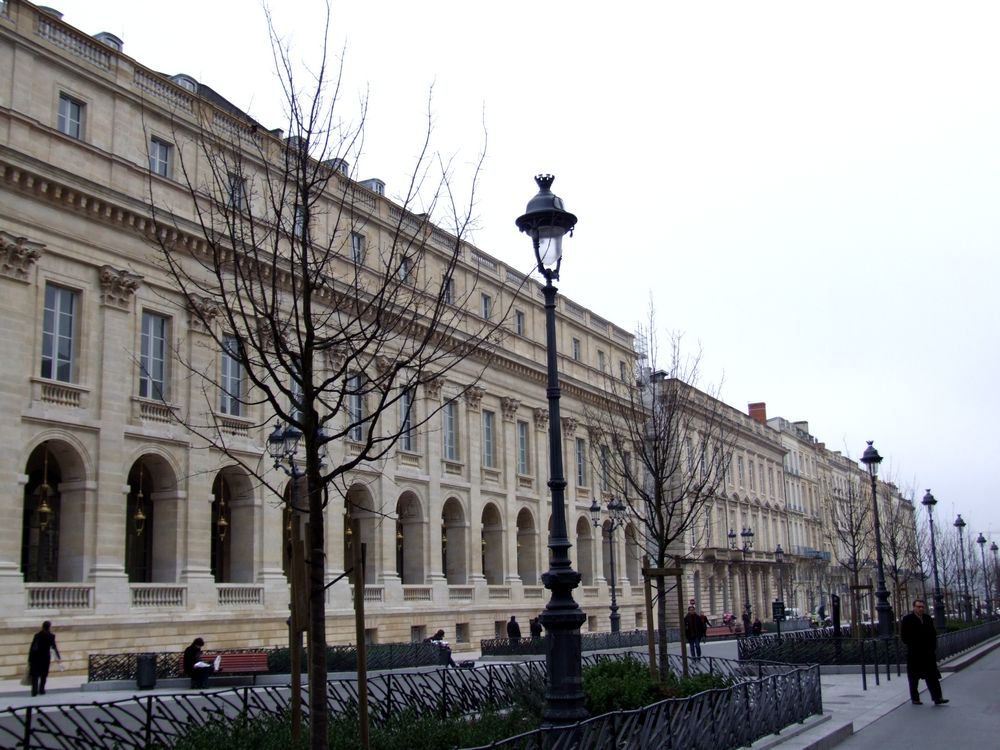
[
  {"x": 765, "y": 698},
  {"x": 588, "y": 642}
]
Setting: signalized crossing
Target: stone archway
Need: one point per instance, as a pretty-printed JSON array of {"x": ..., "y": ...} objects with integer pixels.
[
  {"x": 527, "y": 548},
  {"x": 454, "y": 542},
  {"x": 585, "y": 551},
  {"x": 492, "y": 545},
  {"x": 360, "y": 505},
  {"x": 409, "y": 539},
  {"x": 232, "y": 527},
  {"x": 152, "y": 516}
]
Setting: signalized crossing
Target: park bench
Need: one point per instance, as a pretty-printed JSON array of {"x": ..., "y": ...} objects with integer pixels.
[
  {"x": 720, "y": 632},
  {"x": 244, "y": 663}
]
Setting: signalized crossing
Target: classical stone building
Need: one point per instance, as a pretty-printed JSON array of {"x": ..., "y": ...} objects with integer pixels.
[{"x": 128, "y": 531}]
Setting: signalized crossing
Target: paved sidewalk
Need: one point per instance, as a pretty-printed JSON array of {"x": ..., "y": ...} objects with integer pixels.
[{"x": 847, "y": 709}]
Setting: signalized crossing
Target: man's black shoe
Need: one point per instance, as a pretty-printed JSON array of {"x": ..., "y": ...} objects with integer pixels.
[
  {"x": 941, "y": 702},
  {"x": 917, "y": 703}
]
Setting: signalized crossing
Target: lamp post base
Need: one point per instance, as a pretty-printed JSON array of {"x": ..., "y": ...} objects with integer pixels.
[{"x": 562, "y": 617}]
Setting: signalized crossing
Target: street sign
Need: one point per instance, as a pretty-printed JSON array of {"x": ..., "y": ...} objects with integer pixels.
[{"x": 778, "y": 611}]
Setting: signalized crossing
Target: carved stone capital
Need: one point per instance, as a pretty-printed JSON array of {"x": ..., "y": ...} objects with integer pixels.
[
  {"x": 433, "y": 388},
  {"x": 474, "y": 397},
  {"x": 17, "y": 256},
  {"x": 117, "y": 286},
  {"x": 202, "y": 313},
  {"x": 541, "y": 419},
  {"x": 509, "y": 408},
  {"x": 569, "y": 425}
]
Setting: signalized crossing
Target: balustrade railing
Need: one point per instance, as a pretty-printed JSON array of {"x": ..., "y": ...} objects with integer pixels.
[
  {"x": 237, "y": 595},
  {"x": 60, "y": 595},
  {"x": 417, "y": 593},
  {"x": 157, "y": 595}
]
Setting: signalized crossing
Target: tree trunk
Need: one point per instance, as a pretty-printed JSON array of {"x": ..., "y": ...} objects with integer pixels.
[
  {"x": 661, "y": 626},
  {"x": 317, "y": 606}
]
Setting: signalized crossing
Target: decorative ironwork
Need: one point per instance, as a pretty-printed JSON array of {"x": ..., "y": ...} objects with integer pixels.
[{"x": 766, "y": 698}]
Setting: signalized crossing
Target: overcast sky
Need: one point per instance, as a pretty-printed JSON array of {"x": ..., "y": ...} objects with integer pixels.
[{"x": 807, "y": 190}]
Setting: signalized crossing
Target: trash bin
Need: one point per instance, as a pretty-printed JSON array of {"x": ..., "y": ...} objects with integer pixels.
[{"x": 145, "y": 671}]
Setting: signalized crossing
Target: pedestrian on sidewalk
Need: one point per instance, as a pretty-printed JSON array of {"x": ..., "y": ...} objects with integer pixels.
[
  {"x": 917, "y": 631},
  {"x": 198, "y": 670},
  {"x": 535, "y": 627},
  {"x": 40, "y": 657},
  {"x": 694, "y": 631},
  {"x": 513, "y": 630}
]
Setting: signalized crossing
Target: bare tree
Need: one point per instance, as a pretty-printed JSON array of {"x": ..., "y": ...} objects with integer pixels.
[
  {"x": 898, "y": 533},
  {"x": 331, "y": 306},
  {"x": 664, "y": 449},
  {"x": 851, "y": 530}
]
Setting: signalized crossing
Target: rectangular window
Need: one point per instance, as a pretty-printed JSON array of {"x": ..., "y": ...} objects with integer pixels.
[
  {"x": 451, "y": 431},
  {"x": 489, "y": 440},
  {"x": 601, "y": 364},
  {"x": 238, "y": 192},
  {"x": 299, "y": 222},
  {"x": 159, "y": 157},
  {"x": 519, "y": 322},
  {"x": 621, "y": 371},
  {"x": 739, "y": 469},
  {"x": 448, "y": 293},
  {"x": 753, "y": 483},
  {"x": 523, "y": 456},
  {"x": 355, "y": 408},
  {"x": 581, "y": 462},
  {"x": 576, "y": 349},
  {"x": 232, "y": 378},
  {"x": 405, "y": 269},
  {"x": 70, "y": 119},
  {"x": 486, "y": 306},
  {"x": 357, "y": 248},
  {"x": 59, "y": 334},
  {"x": 153, "y": 357},
  {"x": 296, "y": 396},
  {"x": 406, "y": 437}
]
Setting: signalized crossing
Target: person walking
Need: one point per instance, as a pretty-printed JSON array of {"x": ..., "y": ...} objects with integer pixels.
[
  {"x": 694, "y": 632},
  {"x": 40, "y": 657},
  {"x": 513, "y": 630},
  {"x": 535, "y": 627},
  {"x": 916, "y": 630}
]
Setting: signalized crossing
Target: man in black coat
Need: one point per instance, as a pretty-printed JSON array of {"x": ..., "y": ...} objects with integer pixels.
[
  {"x": 513, "y": 630},
  {"x": 917, "y": 631}
]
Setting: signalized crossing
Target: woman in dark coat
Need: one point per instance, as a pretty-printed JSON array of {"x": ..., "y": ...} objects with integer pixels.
[
  {"x": 39, "y": 657},
  {"x": 192, "y": 656}
]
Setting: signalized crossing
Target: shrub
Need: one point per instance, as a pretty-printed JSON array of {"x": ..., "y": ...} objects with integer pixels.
[
  {"x": 676, "y": 686},
  {"x": 615, "y": 685}
]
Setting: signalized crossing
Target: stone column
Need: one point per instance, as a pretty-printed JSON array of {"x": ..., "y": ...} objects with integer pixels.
[{"x": 508, "y": 473}]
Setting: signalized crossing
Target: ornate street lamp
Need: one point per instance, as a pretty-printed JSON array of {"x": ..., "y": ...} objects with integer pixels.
[
  {"x": 871, "y": 459},
  {"x": 981, "y": 541},
  {"x": 960, "y": 526},
  {"x": 547, "y": 221},
  {"x": 996, "y": 572},
  {"x": 616, "y": 519},
  {"x": 929, "y": 502},
  {"x": 747, "y": 536},
  {"x": 779, "y": 559}
]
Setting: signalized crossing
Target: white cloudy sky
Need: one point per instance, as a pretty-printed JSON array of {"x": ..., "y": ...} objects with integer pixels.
[{"x": 807, "y": 189}]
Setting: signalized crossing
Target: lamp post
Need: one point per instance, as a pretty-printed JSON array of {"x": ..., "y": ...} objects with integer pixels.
[
  {"x": 981, "y": 541},
  {"x": 960, "y": 526},
  {"x": 871, "y": 459},
  {"x": 547, "y": 221},
  {"x": 616, "y": 517},
  {"x": 779, "y": 559},
  {"x": 929, "y": 502},
  {"x": 996, "y": 573},
  {"x": 747, "y": 536}
]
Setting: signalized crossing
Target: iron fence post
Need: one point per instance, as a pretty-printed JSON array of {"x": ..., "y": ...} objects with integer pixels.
[
  {"x": 388, "y": 693},
  {"x": 149, "y": 721},
  {"x": 27, "y": 727}
]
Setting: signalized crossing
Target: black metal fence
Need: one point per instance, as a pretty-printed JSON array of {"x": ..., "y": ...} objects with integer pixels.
[
  {"x": 755, "y": 707},
  {"x": 956, "y": 641},
  {"x": 588, "y": 642},
  {"x": 105, "y": 667},
  {"x": 765, "y": 695}
]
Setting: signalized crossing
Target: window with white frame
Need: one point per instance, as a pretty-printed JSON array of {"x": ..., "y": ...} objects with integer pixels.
[
  {"x": 159, "y": 157},
  {"x": 299, "y": 221},
  {"x": 237, "y": 185},
  {"x": 357, "y": 248},
  {"x": 153, "y": 356},
  {"x": 753, "y": 482},
  {"x": 71, "y": 113},
  {"x": 355, "y": 408},
  {"x": 489, "y": 439},
  {"x": 739, "y": 469},
  {"x": 581, "y": 462},
  {"x": 486, "y": 306},
  {"x": 601, "y": 364},
  {"x": 576, "y": 349},
  {"x": 407, "y": 441},
  {"x": 519, "y": 322},
  {"x": 59, "y": 333},
  {"x": 405, "y": 269},
  {"x": 448, "y": 292},
  {"x": 231, "y": 397},
  {"x": 523, "y": 447},
  {"x": 450, "y": 418}
]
